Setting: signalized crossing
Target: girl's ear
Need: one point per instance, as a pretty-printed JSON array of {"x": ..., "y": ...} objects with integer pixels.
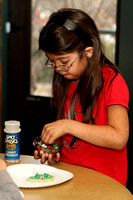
[{"x": 88, "y": 51}]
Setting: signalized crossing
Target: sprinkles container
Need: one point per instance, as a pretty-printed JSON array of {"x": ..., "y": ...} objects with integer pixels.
[{"x": 12, "y": 141}]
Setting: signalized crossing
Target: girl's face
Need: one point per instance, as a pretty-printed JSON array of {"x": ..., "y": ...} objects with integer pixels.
[{"x": 76, "y": 64}]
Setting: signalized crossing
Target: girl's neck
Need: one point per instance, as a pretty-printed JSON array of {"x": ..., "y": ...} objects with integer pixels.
[{"x": 75, "y": 81}]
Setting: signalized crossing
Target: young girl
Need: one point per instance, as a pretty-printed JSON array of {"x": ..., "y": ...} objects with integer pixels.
[{"x": 90, "y": 95}]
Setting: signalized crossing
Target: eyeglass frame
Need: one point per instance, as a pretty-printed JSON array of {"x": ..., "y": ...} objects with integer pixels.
[{"x": 59, "y": 66}]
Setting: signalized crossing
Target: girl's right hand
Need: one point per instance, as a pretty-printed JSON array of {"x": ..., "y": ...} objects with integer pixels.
[{"x": 49, "y": 159}]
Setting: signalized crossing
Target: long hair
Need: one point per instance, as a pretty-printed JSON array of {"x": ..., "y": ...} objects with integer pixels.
[{"x": 56, "y": 39}]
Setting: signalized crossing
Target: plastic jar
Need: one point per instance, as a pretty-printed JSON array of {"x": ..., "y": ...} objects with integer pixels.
[{"x": 12, "y": 141}]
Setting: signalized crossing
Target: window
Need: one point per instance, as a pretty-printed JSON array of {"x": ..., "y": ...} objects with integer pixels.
[{"x": 102, "y": 11}]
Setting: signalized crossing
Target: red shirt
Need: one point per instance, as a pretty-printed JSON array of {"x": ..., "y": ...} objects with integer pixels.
[{"x": 111, "y": 162}]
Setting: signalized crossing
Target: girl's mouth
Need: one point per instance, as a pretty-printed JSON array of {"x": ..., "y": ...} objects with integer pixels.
[{"x": 65, "y": 75}]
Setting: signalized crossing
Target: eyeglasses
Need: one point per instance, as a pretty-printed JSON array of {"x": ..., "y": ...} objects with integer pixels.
[{"x": 62, "y": 67}]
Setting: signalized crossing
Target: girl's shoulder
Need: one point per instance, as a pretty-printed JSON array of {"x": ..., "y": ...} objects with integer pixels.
[
  {"x": 107, "y": 70},
  {"x": 113, "y": 81},
  {"x": 114, "y": 87},
  {"x": 110, "y": 74}
]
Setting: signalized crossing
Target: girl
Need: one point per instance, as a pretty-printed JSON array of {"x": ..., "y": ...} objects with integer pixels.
[{"x": 90, "y": 95}]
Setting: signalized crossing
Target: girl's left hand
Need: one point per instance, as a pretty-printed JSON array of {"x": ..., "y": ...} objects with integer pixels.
[
  {"x": 54, "y": 130},
  {"x": 49, "y": 159}
]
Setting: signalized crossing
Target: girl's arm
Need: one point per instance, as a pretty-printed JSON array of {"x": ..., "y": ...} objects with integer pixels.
[{"x": 114, "y": 135}]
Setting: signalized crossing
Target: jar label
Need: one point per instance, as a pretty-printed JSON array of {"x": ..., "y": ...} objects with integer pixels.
[{"x": 12, "y": 147}]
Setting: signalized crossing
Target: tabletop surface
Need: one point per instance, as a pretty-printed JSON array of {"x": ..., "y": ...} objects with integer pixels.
[{"x": 86, "y": 184}]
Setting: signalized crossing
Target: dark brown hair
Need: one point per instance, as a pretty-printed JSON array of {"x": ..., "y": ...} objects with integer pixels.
[{"x": 58, "y": 40}]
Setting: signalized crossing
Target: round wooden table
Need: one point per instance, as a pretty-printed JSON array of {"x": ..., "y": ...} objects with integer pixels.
[{"x": 86, "y": 184}]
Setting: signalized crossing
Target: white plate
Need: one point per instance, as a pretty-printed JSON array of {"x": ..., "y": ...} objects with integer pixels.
[{"x": 20, "y": 172}]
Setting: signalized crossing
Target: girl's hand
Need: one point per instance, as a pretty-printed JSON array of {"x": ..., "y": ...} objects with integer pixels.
[
  {"x": 44, "y": 159},
  {"x": 54, "y": 130},
  {"x": 50, "y": 158}
]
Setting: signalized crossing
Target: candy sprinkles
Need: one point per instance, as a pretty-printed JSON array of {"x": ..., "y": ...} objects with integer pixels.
[{"x": 43, "y": 148}]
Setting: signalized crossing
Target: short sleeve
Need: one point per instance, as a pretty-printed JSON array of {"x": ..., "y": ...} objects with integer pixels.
[{"x": 118, "y": 93}]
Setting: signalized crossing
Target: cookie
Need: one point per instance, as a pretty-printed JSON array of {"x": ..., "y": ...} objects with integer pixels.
[{"x": 41, "y": 178}]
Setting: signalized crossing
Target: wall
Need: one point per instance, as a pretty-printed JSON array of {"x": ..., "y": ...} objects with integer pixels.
[
  {"x": 0, "y": 76},
  {"x": 125, "y": 62}
]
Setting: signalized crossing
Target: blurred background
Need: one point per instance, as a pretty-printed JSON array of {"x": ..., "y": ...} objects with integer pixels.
[
  {"x": 98, "y": 10},
  {"x": 25, "y": 83}
]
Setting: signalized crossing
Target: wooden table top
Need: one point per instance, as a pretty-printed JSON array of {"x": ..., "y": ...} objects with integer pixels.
[{"x": 86, "y": 184}]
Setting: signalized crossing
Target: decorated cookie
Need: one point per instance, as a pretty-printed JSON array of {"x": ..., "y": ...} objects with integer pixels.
[
  {"x": 41, "y": 178},
  {"x": 42, "y": 148}
]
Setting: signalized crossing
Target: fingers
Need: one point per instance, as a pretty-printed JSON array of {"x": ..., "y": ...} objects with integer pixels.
[
  {"x": 36, "y": 156},
  {"x": 48, "y": 134},
  {"x": 57, "y": 158},
  {"x": 43, "y": 134},
  {"x": 46, "y": 139},
  {"x": 43, "y": 158},
  {"x": 50, "y": 159}
]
